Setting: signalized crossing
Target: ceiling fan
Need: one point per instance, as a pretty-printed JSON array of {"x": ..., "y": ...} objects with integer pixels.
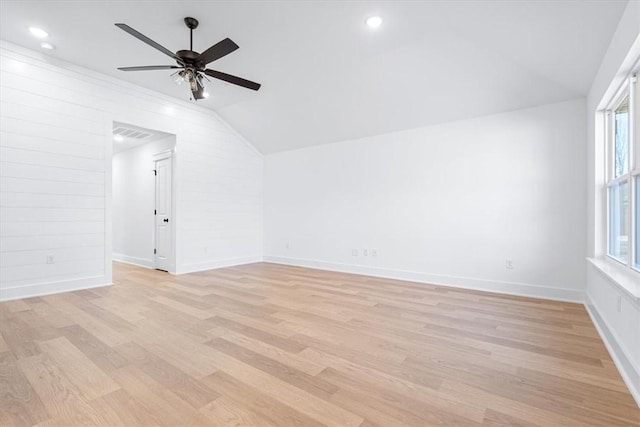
[{"x": 192, "y": 65}]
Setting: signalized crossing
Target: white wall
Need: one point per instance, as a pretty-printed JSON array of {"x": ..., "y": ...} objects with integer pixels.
[
  {"x": 134, "y": 202},
  {"x": 616, "y": 314},
  {"x": 620, "y": 329},
  {"x": 442, "y": 204},
  {"x": 55, "y": 189}
]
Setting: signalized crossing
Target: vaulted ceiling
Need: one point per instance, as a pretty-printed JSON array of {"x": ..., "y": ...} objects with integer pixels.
[{"x": 326, "y": 76}]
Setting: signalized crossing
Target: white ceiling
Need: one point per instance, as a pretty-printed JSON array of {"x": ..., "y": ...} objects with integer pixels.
[{"x": 326, "y": 77}]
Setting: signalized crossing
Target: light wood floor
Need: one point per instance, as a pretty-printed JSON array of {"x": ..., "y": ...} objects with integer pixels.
[{"x": 271, "y": 345}]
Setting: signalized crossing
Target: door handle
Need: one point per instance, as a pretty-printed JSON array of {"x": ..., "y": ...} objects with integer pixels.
[{"x": 166, "y": 220}]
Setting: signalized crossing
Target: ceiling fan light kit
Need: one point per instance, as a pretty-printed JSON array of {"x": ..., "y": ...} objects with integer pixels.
[{"x": 192, "y": 65}]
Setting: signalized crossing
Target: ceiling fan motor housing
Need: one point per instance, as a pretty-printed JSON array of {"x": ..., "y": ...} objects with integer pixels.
[{"x": 190, "y": 58}]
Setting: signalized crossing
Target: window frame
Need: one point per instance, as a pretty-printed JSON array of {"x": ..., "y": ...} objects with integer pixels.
[
  {"x": 635, "y": 204},
  {"x": 634, "y": 164},
  {"x": 627, "y": 89}
]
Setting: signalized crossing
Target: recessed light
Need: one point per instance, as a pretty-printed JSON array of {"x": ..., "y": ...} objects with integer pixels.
[
  {"x": 205, "y": 94},
  {"x": 47, "y": 46},
  {"x": 374, "y": 22},
  {"x": 38, "y": 32},
  {"x": 118, "y": 138}
]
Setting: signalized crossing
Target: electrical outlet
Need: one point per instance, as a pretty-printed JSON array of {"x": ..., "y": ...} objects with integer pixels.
[
  {"x": 354, "y": 252},
  {"x": 509, "y": 264},
  {"x": 365, "y": 252},
  {"x": 374, "y": 252},
  {"x": 50, "y": 259},
  {"x": 619, "y": 304}
]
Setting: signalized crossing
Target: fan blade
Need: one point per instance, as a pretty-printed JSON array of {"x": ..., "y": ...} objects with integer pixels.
[
  {"x": 148, "y": 41},
  {"x": 232, "y": 79},
  {"x": 217, "y": 51},
  {"x": 150, "y": 67}
]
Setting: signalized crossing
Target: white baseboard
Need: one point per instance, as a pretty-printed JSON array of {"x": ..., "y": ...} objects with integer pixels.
[
  {"x": 509, "y": 288},
  {"x": 140, "y": 262},
  {"x": 48, "y": 288},
  {"x": 630, "y": 374},
  {"x": 212, "y": 265}
]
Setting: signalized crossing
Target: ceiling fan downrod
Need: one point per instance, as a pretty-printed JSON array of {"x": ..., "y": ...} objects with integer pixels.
[{"x": 192, "y": 24}]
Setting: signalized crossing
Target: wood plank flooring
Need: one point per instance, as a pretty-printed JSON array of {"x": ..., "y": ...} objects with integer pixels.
[{"x": 271, "y": 345}]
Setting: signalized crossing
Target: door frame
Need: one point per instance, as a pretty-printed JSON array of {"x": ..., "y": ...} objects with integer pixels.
[{"x": 167, "y": 154}]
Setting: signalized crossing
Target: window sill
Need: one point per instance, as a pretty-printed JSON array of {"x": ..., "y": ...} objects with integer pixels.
[{"x": 625, "y": 278}]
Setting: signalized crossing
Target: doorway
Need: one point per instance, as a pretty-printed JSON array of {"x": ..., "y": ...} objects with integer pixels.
[{"x": 143, "y": 197}]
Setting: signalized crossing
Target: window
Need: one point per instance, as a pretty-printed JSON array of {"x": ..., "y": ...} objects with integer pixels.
[
  {"x": 618, "y": 233},
  {"x": 623, "y": 184},
  {"x": 621, "y": 138}
]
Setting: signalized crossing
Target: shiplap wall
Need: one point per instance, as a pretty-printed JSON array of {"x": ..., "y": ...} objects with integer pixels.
[
  {"x": 55, "y": 176},
  {"x": 219, "y": 199}
]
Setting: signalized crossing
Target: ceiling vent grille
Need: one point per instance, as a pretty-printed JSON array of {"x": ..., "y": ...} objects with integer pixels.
[{"x": 131, "y": 133}]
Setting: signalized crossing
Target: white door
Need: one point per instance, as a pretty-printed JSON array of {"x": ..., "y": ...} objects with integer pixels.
[{"x": 163, "y": 218}]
